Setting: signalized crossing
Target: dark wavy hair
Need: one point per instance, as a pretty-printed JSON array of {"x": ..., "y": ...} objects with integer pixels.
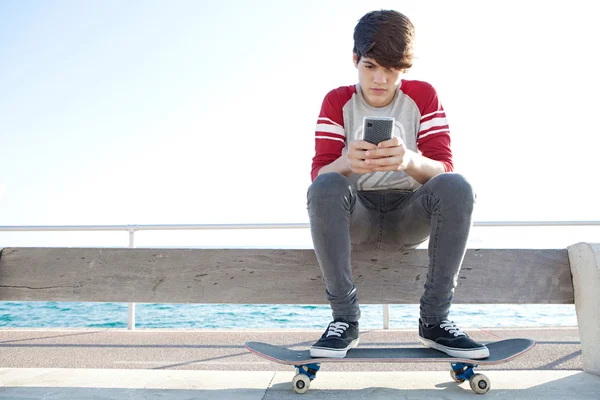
[{"x": 386, "y": 36}]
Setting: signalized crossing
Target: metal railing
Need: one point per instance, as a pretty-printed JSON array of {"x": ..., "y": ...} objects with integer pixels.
[{"x": 134, "y": 228}]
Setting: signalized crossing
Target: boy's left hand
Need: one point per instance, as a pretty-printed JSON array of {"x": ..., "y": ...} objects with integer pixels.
[{"x": 391, "y": 155}]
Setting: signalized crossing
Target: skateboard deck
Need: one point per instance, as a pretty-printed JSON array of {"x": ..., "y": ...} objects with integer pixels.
[
  {"x": 500, "y": 352},
  {"x": 461, "y": 368}
]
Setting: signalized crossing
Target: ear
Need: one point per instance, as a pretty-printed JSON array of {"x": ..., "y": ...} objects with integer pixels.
[{"x": 355, "y": 59}]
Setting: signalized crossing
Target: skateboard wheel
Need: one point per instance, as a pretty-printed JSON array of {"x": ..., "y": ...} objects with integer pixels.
[
  {"x": 479, "y": 383},
  {"x": 453, "y": 375},
  {"x": 301, "y": 383}
]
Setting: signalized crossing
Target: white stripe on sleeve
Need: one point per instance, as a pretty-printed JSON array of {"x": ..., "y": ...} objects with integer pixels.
[
  {"x": 430, "y": 114},
  {"x": 432, "y": 132},
  {"x": 338, "y": 130},
  {"x": 330, "y": 138},
  {"x": 432, "y": 123},
  {"x": 328, "y": 120}
]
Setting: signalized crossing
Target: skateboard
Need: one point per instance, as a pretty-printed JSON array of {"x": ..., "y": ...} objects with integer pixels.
[{"x": 460, "y": 371}]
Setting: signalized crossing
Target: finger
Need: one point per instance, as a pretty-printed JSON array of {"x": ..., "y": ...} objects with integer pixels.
[
  {"x": 358, "y": 154},
  {"x": 362, "y": 145},
  {"x": 380, "y": 153},
  {"x": 393, "y": 142},
  {"x": 383, "y": 162},
  {"x": 359, "y": 164},
  {"x": 398, "y": 151}
]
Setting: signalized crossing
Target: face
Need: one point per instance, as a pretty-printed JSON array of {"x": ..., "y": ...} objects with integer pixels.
[{"x": 378, "y": 84}]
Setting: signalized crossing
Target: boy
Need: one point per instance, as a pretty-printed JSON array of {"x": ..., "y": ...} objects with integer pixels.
[{"x": 394, "y": 195}]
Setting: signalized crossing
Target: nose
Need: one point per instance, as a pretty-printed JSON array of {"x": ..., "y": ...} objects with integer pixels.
[{"x": 379, "y": 76}]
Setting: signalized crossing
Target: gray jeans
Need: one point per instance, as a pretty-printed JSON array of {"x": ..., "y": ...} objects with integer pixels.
[{"x": 342, "y": 218}]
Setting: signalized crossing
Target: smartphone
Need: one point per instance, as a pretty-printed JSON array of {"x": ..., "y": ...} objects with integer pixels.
[{"x": 378, "y": 129}]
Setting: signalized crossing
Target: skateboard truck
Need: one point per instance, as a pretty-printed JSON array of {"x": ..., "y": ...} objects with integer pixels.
[
  {"x": 461, "y": 372},
  {"x": 304, "y": 374}
]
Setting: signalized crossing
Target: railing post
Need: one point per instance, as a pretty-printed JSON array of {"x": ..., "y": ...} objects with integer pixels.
[
  {"x": 131, "y": 306},
  {"x": 386, "y": 316}
]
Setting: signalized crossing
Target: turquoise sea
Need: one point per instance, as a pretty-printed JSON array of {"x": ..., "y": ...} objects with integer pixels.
[{"x": 227, "y": 316}]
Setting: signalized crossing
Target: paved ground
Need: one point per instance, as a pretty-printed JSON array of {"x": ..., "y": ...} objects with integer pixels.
[
  {"x": 167, "y": 364},
  {"x": 84, "y": 384}
]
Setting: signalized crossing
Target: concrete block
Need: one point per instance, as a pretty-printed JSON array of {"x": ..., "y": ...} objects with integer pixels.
[{"x": 585, "y": 268}]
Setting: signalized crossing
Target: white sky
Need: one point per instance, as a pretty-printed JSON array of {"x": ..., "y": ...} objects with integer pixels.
[{"x": 156, "y": 112}]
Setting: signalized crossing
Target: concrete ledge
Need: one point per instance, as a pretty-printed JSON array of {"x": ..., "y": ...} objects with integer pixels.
[
  {"x": 585, "y": 268},
  {"x": 84, "y": 384}
]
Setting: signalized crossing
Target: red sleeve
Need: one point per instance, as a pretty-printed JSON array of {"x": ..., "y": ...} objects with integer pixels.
[
  {"x": 330, "y": 137},
  {"x": 433, "y": 139}
]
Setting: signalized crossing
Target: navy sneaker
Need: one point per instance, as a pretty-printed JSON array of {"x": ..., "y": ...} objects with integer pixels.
[
  {"x": 448, "y": 338},
  {"x": 339, "y": 337}
]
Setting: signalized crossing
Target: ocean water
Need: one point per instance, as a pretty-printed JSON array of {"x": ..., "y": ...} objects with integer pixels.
[{"x": 228, "y": 316}]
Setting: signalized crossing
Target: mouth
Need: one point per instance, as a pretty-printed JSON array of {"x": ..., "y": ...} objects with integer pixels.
[{"x": 378, "y": 91}]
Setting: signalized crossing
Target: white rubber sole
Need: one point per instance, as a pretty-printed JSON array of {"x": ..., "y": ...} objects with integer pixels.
[
  {"x": 332, "y": 353},
  {"x": 474, "y": 354}
]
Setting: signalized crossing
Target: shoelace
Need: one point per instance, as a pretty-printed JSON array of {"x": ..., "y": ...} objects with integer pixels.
[
  {"x": 452, "y": 328},
  {"x": 337, "y": 328}
]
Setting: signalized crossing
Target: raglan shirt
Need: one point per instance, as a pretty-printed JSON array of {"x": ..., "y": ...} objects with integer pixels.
[{"x": 420, "y": 121}]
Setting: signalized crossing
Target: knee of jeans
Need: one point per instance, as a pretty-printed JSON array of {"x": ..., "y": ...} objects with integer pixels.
[
  {"x": 329, "y": 186},
  {"x": 455, "y": 187}
]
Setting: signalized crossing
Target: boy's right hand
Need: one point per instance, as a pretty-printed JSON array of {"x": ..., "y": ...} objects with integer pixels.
[{"x": 356, "y": 156}]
